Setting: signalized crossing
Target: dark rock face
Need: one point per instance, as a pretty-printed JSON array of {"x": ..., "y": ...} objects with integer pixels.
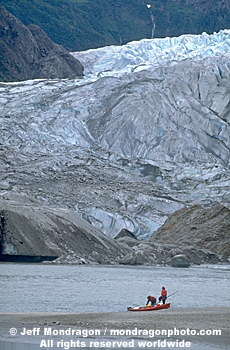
[
  {"x": 205, "y": 228},
  {"x": 31, "y": 229},
  {"x": 28, "y": 53},
  {"x": 125, "y": 233}
]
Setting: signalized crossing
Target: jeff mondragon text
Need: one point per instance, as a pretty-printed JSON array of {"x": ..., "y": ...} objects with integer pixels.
[{"x": 151, "y": 333}]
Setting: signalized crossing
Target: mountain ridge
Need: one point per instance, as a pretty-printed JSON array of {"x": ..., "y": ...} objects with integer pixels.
[
  {"x": 28, "y": 53},
  {"x": 81, "y": 25}
]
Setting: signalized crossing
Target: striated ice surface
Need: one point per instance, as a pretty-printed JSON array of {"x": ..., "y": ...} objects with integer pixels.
[
  {"x": 148, "y": 53},
  {"x": 145, "y": 132}
]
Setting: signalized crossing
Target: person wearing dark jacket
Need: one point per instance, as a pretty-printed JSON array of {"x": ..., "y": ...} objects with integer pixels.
[{"x": 151, "y": 300}]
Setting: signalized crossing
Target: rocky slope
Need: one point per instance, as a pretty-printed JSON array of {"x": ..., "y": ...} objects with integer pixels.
[
  {"x": 207, "y": 228},
  {"x": 27, "y": 53},
  {"x": 207, "y": 6},
  {"x": 32, "y": 231},
  {"x": 81, "y": 25}
]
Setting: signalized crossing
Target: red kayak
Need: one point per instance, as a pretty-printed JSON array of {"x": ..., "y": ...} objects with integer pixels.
[{"x": 149, "y": 308}]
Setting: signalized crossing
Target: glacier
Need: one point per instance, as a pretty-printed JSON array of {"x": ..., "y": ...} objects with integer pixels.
[
  {"x": 144, "y": 133},
  {"x": 152, "y": 53}
]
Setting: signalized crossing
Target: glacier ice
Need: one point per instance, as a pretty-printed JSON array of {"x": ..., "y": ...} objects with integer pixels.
[
  {"x": 146, "y": 53},
  {"x": 145, "y": 132}
]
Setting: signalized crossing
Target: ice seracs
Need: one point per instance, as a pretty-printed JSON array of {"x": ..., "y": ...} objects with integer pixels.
[
  {"x": 118, "y": 60},
  {"x": 143, "y": 134}
]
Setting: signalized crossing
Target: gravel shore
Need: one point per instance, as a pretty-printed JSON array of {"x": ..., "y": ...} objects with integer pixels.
[{"x": 185, "y": 320}]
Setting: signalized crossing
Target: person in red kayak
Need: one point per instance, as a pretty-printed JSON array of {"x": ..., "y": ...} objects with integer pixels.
[
  {"x": 151, "y": 301},
  {"x": 163, "y": 296}
]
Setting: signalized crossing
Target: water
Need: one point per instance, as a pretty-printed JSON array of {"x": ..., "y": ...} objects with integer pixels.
[{"x": 70, "y": 288}]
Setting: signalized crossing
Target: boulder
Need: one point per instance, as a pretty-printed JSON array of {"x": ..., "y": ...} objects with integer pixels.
[{"x": 180, "y": 261}]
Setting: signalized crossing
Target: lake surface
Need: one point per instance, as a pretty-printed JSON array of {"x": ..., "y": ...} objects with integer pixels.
[{"x": 70, "y": 288}]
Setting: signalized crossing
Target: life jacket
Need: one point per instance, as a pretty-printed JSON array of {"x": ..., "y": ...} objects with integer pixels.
[{"x": 164, "y": 293}]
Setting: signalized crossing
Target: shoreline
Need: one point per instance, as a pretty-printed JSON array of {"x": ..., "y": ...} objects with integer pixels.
[
  {"x": 194, "y": 316},
  {"x": 170, "y": 319}
]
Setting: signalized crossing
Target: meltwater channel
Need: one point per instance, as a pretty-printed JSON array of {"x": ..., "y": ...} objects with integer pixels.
[{"x": 71, "y": 288}]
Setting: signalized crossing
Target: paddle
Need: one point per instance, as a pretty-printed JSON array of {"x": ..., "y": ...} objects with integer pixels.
[{"x": 172, "y": 294}]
